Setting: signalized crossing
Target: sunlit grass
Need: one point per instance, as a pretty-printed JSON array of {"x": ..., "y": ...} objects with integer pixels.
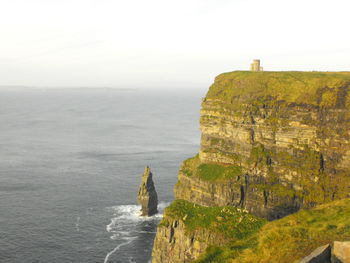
[
  {"x": 313, "y": 88},
  {"x": 210, "y": 171},
  {"x": 288, "y": 239},
  {"x": 232, "y": 222}
]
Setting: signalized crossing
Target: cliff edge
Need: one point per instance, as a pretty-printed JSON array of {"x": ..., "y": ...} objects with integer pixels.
[{"x": 272, "y": 143}]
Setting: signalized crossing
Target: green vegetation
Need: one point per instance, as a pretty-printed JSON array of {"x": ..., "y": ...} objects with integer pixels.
[
  {"x": 316, "y": 184},
  {"x": 231, "y": 222},
  {"x": 213, "y": 172},
  {"x": 220, "y": 145},
  {"x": 288, "y": 239},
  {"x": 313, "y": 88},
  {"x": 259, "y": 156},
  {"x": 209, "y": 171},
  {"x": 190, "y": 165},
  {"x": 304, "y": 174}
]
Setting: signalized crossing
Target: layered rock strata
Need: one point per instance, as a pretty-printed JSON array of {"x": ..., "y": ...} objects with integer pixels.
[
  {"x": 173, "y": 245},
  {"x": 147, "y": 195},
  {"x": 272, "y": 143},
  {"x": 292, "y": 147},
  {"x": 187, "y": 230}
]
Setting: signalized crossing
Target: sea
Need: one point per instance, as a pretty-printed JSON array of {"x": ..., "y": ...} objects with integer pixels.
[{"x": 71, "y": 162}]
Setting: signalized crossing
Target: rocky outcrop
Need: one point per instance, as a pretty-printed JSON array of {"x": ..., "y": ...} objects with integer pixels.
[
  {"x": 341, "y": 252},
  {"x": 173, "y": 245},
  {"x": 187, "y": 230},
  {"x": 319, "y": 255},
  {"x": 147, "y": 195}
]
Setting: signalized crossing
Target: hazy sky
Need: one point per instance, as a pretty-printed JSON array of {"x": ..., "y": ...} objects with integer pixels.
[{"x": 162, "y": 43}]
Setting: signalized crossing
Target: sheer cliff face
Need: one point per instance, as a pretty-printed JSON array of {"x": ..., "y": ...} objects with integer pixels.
[
  {"x": 284, "y": 135},
  {"x": 173, "y": 245},
  {"x": 187, "y": 229},
  {"x": 272, "y": 143}
]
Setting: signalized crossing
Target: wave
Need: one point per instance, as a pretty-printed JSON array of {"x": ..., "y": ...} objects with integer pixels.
[
  {"x": 131, "y": 214},
  {"x": 129, "y": 240},
  {"x": 125, "y": 222}
]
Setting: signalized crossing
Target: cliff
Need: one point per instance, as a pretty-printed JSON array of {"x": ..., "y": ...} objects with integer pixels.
[
  {"x": 187, "y": 230},
  {"x": 272, "y": 143},
  {"x": 289, "y": 239}
]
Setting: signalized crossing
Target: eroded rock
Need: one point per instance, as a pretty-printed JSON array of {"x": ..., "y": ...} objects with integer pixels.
[
  {"x": 341, "y": 252},
  {"x": 319, "y": 255},
  {"x": 147, "y": 195}
]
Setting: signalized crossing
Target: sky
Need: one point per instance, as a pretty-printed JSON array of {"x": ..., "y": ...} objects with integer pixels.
[{"x": 163, "y": 43}]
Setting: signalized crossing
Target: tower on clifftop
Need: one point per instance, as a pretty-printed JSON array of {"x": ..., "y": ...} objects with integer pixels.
[{"x": 255, "y": 66}]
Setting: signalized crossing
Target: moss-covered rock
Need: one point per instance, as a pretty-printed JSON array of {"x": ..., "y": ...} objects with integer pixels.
[
  {"x": 231, "y": 222},
  {"x": 313, "y": 88},
  {"x": 272, "y": 143},
  {"x": 187, "y": 229},
  {"x": 210, "y": 171},
  {"x": 288, "y": 239}
]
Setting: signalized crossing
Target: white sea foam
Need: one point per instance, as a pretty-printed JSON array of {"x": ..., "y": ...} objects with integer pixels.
[
  {"x": 123, "y": 222},
  {"x": 130, "y": 214},
  {"x": 129, "y": 240}
]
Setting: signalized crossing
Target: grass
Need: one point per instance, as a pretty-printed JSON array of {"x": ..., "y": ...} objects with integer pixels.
[
  {"x": 210, "y": 171},
  {"x": 313, "y": 88},
  {"x": 231, "y": 222},
  {"x": 305, "y": 162},
  {"x": 295, "y": 236},
  {"x": 288, "y": 239}
]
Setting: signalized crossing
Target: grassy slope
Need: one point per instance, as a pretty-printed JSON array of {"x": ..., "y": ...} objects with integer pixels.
[
  {"x": 209, "y": 171},
  {"x": 289, "y": 86},
  {"x": 232, "y": 222},
  {"x": 288, "y": 239}
]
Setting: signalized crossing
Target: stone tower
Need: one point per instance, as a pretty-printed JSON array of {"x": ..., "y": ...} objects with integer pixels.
[{"x": 255, "y": 66}]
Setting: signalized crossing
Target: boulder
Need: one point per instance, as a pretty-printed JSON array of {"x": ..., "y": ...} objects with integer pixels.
[
  {"x": 147, "y": 195},
  {"x": 341, "y": 252},
  {"x": 319, "y": 255}
]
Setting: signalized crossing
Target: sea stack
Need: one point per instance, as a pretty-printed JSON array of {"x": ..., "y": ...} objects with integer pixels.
[{"x": 147, "y": 196}]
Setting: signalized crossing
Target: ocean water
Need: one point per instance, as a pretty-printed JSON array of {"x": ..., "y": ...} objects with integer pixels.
[{"x": 70, "y": 165}]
